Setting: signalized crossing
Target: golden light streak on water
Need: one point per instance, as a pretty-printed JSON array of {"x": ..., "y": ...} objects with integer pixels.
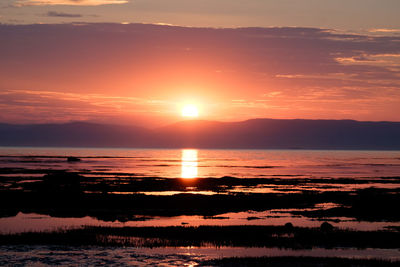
[{"x": 189, "y": 163}]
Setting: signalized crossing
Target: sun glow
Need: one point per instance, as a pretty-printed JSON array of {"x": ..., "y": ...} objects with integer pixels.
[{"x": 190, "y": 110}]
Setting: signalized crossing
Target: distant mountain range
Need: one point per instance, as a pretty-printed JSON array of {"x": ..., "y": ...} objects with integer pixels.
[{"x": 249, "y": 134}]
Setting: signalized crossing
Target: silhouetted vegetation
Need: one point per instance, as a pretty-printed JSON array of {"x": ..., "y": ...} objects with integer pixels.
[{"x": 247, "y": 236}]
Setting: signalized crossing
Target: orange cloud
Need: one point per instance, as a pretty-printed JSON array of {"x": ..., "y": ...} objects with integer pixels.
[
  {"x": 47, "y": 106},
  {"x": 69, "y": 2},
  {"x": 144, "y": 70},
  {"x": 383, "y": 30}
]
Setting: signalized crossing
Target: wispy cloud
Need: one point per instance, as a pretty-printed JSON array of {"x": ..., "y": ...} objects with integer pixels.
[
  {"x": 21, "y": 3},
  {"x": 32, "y": 106},
  {"x": 270, "y": 72},
  {"x": 62, "y": 14},
  {"x": 384, "y": 30}
]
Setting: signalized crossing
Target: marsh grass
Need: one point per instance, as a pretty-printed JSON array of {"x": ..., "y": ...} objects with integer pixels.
[{"x": 212, "y": 236}]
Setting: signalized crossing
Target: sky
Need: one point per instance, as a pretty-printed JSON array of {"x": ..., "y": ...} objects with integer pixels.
[
  {"x": 337, "y": 14},
  {"x": 140, "y": 61}
]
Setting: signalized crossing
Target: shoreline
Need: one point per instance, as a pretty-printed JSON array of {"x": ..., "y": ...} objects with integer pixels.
[{"x": 286, "y": 236}]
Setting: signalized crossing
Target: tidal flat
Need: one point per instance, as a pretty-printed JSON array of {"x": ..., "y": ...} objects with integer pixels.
[
  {"x": 285, "y": 210},
  {"x": 66, "y": 194}
]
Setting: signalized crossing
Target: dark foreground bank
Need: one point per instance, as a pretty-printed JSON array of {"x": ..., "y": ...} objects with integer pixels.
[
  {"x": 285, "y": 236},
  {"x": 298, "y": 261}
]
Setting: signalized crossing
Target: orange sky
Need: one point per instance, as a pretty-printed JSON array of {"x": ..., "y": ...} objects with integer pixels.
[{"x": 143, "y": 74}]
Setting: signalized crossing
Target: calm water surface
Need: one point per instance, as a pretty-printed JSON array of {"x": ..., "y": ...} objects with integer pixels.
[
  {"x": 381, "y": 168},
  {"x": 191, "y": 163},
  {"x": 197, "y": 164}
]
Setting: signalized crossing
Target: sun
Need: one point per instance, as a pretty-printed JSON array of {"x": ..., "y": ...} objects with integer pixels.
[{"x": 190, "y": 110}]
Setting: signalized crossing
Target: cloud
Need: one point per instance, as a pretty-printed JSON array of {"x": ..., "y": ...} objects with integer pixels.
[
  {"x": 281, "y": 72},
  {"x": 30, "y": 106},
  {"x": 21, "y": 3},
  {"x": 384, "y": 60},
  {"x": 62, "y": 14},
  {"x": 384, "y": 30}
]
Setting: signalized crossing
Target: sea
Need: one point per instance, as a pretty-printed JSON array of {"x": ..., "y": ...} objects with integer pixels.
[
  {"x": 31, "y": 163},
  {"x": 202, "y": 163}
]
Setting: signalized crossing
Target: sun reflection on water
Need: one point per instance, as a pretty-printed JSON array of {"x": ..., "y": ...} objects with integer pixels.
[{"x": 189, "y": 163}]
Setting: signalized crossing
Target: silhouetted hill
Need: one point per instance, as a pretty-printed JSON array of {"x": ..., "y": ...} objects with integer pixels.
[
  {"x": 253, "y": 134},
  {"x": 79, "y": 134}
]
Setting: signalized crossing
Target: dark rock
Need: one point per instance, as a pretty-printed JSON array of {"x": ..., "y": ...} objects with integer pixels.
[
  {"x": 326, "y": 227},
  {"x": 253, "y": 218},
  {"x": 289, "y": 226},
  {"x": 61, "y": 182},
  {"x": 73, "y": 159}
]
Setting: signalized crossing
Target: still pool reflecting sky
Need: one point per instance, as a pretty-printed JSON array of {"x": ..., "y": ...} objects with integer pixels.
[{"x": 189, "y": 163}]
